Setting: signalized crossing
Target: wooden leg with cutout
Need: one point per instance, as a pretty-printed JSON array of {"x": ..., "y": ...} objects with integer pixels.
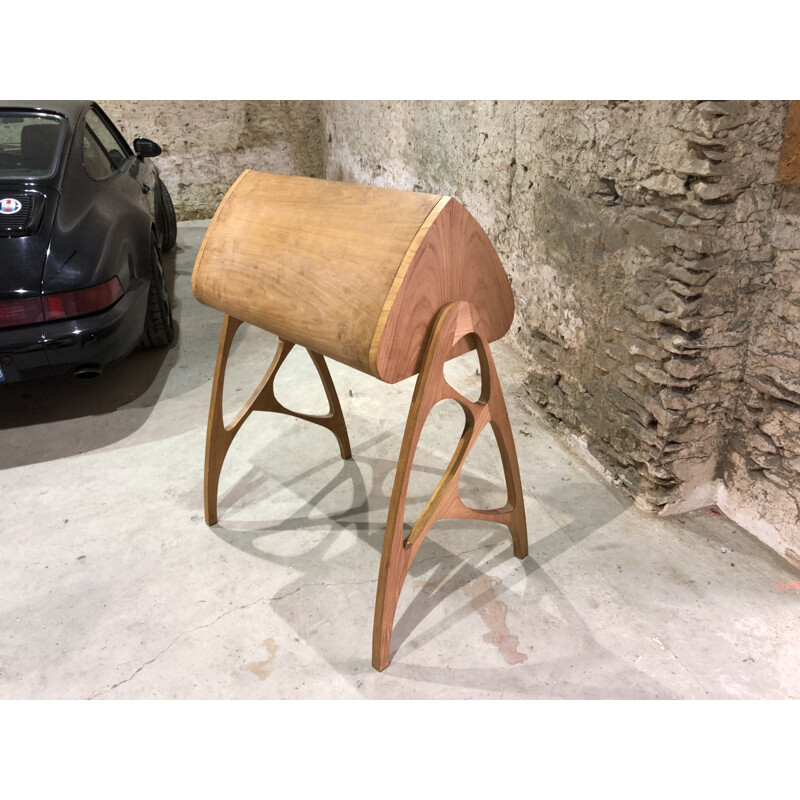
[
  {"x": 219, "y": 436},
  {"x": 454, "y": 322}
]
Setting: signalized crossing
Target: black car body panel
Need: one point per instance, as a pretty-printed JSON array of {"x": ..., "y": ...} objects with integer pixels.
[
  {"x": 23, "y": 250},
  {"x": 77, "y": 213},
  {"x": 83, "y": 344}
]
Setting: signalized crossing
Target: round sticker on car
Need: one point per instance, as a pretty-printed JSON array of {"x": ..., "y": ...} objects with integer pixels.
[{"x": 9, "y": 205}]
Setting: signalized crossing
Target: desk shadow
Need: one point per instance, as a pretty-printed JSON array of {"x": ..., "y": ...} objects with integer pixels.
[
  {"x": 56, "y": 417},
  {"x": 245, "y": 539},
  {"x": 433, "y": 587}
]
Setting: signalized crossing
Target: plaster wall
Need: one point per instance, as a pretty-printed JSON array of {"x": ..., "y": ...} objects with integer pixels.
[{"x": 207, "y": 144}]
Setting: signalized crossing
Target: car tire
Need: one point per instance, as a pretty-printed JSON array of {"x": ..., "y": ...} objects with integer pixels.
[
  {"x": 168, "y": 221},
  {"x": 159, "y": 329}
]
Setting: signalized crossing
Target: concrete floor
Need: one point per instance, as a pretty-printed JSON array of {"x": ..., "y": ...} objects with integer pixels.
[{"x": 112, "y": 586}]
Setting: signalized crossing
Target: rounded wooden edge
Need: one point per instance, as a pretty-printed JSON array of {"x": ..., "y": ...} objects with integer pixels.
[
  {"x": 211, "y": 226},
  {"x": 399, "y": 277},
  {"x": 392, "y": 365}
]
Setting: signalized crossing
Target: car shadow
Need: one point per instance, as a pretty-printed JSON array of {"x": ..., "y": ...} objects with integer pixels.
[{"x": 61, "y": 416}]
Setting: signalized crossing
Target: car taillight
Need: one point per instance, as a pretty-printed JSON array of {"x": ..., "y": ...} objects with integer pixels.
[
  {"x": 21, "y": 312},
  {"x": 83, "y": 301},
  {"x": 60, "y": 306}
]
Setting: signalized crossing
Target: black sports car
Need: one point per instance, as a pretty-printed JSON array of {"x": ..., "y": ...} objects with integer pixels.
[{"x": 84, "y": 219}]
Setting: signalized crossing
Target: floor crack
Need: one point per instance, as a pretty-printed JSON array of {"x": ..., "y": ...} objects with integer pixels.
[
  {"x": 315, "y": 585},
  {"x": 460, "y": 554},
  {"x": 180, "y": 635}
]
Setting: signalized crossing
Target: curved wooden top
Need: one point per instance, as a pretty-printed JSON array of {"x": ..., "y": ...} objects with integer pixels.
[{"x": 356, "y": 273}]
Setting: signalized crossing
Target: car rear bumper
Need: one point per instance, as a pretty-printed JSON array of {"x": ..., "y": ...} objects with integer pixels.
[{"x": 59, "y": 348}]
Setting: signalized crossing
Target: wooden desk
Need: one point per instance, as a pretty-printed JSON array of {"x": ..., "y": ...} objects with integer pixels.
[{"x": 389, "y": 282}]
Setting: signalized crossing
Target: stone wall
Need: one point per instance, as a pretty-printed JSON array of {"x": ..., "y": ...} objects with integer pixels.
[
  {"x": 654, "y": 265},
  {"x": 654, "y": 260},
  {"x": 761, "y": 469},
  {"x": 658, "y": 217},
  {"x": 207, "y": 144}
]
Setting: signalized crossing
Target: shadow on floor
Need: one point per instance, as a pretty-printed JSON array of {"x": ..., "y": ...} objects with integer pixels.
[
  {"x": 86, "y": 406},
  {"x": 458, "y": 578}
]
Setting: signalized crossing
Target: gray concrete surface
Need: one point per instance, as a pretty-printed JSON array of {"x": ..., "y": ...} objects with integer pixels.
[{"x": 112, "y": 586}]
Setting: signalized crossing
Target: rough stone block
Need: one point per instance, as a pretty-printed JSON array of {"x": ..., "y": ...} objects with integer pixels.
[
  {"x": 768, "y": 388},
  {"x": 638, "y": 347},
  {"x": 786, "y": 233},
  {"x": 665, "y": 184},
  {"x": 629, "y": 406},
  {"x": 688, "y": 221},
  {"x": 688, "y": 368},
  {"x": 787, "y": 381},
  {"x": 725, "y": 187},
  {"x": 693, "y": 165},
  {"x": 659, "y": 376},
  {"x": 683, "y": 401},
  {"x": 658, "y": 215},
  {"x": 758, "y": 441},
  {"x": 691, "y": 293}
]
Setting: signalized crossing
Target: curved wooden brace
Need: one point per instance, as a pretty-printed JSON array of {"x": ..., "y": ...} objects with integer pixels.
[
  {"x": 455, "y": 321},
  {"x": 219, "y": 436}
]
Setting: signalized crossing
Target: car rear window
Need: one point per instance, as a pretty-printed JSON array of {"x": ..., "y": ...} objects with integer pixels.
[{"x": 29, "y": 144}]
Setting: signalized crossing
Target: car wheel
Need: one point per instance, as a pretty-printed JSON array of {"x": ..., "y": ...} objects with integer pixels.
[
  {"x": 159, "y": 329},
  {"x": 169, "y": 224}
]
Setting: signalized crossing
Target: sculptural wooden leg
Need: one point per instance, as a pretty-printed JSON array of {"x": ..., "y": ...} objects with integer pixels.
[
  {"x": 453, "y": 323},
  {"x": 219, "y": 436}
]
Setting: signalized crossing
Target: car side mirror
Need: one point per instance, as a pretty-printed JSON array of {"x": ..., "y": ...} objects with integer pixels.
[{"x": 145, "y": 148}]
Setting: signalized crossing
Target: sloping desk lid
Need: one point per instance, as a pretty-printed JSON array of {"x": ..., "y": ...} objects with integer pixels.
[{"x": 356, "y": 273}]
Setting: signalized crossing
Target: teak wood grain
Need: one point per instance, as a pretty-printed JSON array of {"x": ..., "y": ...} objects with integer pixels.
[
  {"x": 455, "y": 323},
  {"x": 391, "y": 283},
  {"x": 220, "y": 436}
]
